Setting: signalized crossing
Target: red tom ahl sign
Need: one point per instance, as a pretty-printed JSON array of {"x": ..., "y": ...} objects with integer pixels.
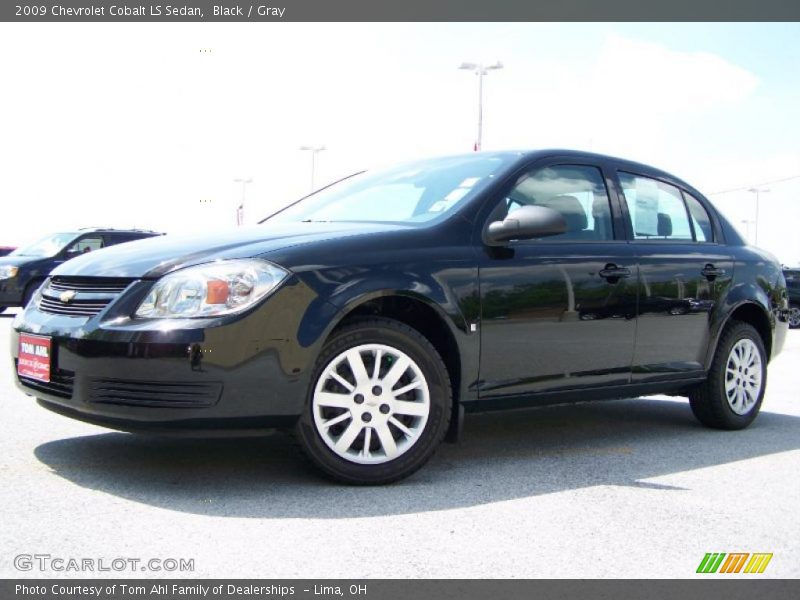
[{"x": 34, "y": 357}]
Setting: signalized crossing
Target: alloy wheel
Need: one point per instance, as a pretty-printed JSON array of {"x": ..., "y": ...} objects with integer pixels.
[
  {"x": 743, "y": 376},
  {"x": 371, "y": 404}
]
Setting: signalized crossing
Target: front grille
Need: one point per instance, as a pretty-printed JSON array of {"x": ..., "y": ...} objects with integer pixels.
[
  {"x": 154, "y": 393},
  {"x": 80, "y": 296},
  {"x": 61, "y": 384},
  {"x": 89, "y": 285}
]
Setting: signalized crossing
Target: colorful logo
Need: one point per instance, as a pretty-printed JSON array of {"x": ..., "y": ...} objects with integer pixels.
[{"x": 716, "y": 562}]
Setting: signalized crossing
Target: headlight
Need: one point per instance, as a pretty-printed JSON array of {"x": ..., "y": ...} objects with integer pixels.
[
  {"x": 7, "y": 272},
  {"x": 220, "y": 288}
]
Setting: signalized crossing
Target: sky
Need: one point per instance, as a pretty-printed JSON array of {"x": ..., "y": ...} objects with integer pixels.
[{"x": 148, "y": 125}]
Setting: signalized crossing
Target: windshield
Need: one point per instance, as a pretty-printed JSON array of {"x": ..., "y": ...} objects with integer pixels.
[
  {"x": 47, "y": 246},
  {"x": 412, "y": 193}
]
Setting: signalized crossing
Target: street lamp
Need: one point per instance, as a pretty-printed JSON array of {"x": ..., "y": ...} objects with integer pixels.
[
  {"x": 480, "y": 70},
  {"x": 240, "y": 208},
  {"x": 314, "y": 150},
  {"x": 757, "y": 191}
]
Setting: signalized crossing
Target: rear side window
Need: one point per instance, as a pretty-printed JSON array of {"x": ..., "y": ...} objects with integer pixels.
[
  {"x": 577, "y": 192},
  {"x": 703, "y": 231},
  {"x": 114, "y": 239},
  {"x": 656, "y": 208}
]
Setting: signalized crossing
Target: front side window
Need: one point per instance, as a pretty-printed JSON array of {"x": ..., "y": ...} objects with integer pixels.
[
  {"x": 86, "y": 244},
  {"x": 656, "y": 209},
  {"x": 577, "y": 192},
  {"x": 418, "y": 192}
]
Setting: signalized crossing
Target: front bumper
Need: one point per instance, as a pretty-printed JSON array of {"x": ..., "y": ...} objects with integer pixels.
[{"x": 175, "y": 376}]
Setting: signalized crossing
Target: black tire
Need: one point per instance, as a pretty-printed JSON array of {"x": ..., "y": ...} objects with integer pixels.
[
  {"x": 709, "y": 400},
  {"x": 415, "y": 346}
]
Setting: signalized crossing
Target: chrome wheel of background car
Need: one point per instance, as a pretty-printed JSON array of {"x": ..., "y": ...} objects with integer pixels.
[
  {"x": 794, "y": 317},
  {"x": 370, "y": 404},
  {"x": 743, "y": 375}
]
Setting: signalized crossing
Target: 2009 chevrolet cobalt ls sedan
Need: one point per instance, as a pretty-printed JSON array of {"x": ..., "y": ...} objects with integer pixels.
[{"x": 370, "y": 316}]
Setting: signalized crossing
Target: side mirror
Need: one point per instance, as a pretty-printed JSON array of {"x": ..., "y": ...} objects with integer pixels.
[{"x": 525, "y": 223}]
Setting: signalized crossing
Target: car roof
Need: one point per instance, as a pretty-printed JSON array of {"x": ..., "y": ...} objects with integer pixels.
[
  {"x": 113, "y": 230},
  {"x": 526, "y": 156},
  {"x": 624, "y": 164}
]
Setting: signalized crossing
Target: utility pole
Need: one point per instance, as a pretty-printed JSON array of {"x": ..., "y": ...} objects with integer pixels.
[
  {"x": 480, "y": 70},
  {"x": 314, "y": 150},
  {"x": 240, "y": 208}
]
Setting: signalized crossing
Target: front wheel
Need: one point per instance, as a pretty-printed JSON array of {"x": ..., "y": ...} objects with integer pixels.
[
  {"x": 379, "y": 403},
  {"x": 731, "y": 396}
]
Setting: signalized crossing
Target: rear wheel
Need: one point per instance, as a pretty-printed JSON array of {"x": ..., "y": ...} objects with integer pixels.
[
  {"x": 794, "y": 317},
  {"x": 378, "y": 405},
  {"x": 731, "y": 396}
]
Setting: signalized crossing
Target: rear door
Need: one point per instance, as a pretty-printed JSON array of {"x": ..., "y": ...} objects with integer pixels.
[
  {"x": 559, "y": 312},
  {"x": 684, "y": 270}
]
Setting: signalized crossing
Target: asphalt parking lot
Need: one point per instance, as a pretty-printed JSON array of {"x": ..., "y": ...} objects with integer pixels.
[{"x": 632, "y": 488}]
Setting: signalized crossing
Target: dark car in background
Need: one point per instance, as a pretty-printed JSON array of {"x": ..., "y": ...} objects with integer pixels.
[
  {"x": 793, "y": 288},
  {"x": 371, "y": 315},
  {"x": 23, "y": 270}
]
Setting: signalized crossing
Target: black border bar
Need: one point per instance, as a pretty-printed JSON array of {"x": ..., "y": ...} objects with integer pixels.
[
  {"x": 398, "y": 10},
  {"x": 727, "y": 588}
]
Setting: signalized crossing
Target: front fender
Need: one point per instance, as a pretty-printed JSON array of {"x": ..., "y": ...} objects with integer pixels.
[{"x": 451, "y": 292}]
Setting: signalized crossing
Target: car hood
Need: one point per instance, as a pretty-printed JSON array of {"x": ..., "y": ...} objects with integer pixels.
[
  {"x": 154, "y": 257},
  {"x": 16, "y": 261}
]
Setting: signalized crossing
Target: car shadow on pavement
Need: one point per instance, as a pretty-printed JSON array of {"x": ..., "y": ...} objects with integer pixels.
[{"x": 503, "y": 456}]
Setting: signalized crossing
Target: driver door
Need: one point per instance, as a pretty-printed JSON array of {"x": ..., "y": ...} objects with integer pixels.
[{"x": 558, "y": 313}]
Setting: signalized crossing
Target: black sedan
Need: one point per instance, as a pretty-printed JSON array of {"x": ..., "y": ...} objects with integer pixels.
[
  {"x": 793, "y": 287},
  {"x": 370, "y": 316}
]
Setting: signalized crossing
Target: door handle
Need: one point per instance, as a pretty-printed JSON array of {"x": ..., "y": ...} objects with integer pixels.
[
  {"x": 710, "y": 272},
  {"x": 612, "y": 271}
]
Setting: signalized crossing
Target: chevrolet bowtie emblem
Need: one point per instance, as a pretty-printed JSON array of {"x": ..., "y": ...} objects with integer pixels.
[{"x": 67, "y": 297}]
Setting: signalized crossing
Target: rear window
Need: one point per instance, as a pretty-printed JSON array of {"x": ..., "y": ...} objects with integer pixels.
[
  {"x": 701, "y": 221},
  {"x": 656, "y": 209}
]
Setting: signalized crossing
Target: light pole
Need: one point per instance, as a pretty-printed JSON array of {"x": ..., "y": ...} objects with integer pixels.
[
  {"x": 746, "y": 223},
  {"x": 757, "y": 191},
  {"x": 314, "y": 150},
  {"x": 240, "y": 208},
  {"x": 480, "y": 70}
]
